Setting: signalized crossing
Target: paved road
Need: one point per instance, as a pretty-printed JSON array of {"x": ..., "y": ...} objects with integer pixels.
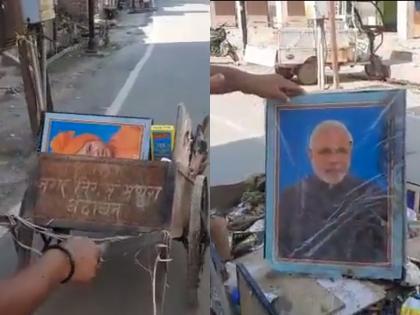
[
  {"x": 164, "y": 60},
  {"x": 160, "y": 61},
  {"x": 237, "y": 132}
]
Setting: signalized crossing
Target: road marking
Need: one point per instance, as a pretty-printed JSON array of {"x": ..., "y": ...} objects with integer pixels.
[
  {"x": 227, "y": 122},
  {"x": 116, "y": 105},
  {"x": 15, "y": 210}
]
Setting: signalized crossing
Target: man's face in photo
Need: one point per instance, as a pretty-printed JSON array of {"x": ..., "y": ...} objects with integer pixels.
[{"x": 330, "y": 154}]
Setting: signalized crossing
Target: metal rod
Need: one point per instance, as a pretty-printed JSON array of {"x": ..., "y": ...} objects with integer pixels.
[
  {"x": 29, "y": 86},
  {"x": 320, "y": 35},
  {"x": 91, "y": 13},
  {"x": 244, "y": 23},
  {"x": 43, "y": 61},
  {"x": 37, "y": 77},
  {"x": 333, "y": 44}
]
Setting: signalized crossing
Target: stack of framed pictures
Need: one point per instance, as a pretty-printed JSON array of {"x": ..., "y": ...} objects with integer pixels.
[{"x": 95, "y": 135}]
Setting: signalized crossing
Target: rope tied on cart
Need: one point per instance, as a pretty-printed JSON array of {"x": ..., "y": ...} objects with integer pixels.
[
  {"x": 14, "y": 219},
  {"x": 11, "y": 221},
  {"x": 162, "y": 248}
]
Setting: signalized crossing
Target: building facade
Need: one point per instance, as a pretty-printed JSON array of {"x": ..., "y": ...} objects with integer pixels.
[{"x": 402, "y": 17}]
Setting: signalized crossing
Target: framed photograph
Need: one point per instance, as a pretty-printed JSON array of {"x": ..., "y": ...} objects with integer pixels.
[
  {"x": 336, "y": 184},
  {"x": 94, "y": 135}
]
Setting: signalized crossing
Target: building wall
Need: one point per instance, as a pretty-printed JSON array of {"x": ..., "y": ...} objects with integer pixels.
[
  {"x": 223, "y": 12},
  {"x": 10, "y": 23},
  {"x": 415, "y": 6},
  {"x": 257, "y": 12},
  {"x": 404, "y": 19},
  {"x": 390, "y": 15},
  {"x": 76, "y": 8}
]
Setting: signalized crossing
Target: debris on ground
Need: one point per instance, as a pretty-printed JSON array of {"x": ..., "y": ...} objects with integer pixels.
[
  {"x": 246, "y": 220},
  {"x": 11, "y": 90},
  {"x": 220, "y": 45},
  {"x": 339, "y": 296}
]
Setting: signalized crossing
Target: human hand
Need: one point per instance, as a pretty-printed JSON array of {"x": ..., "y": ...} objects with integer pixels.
[
  {"x": 271, "y": 86},
  {"x": 86, "y": 256}
]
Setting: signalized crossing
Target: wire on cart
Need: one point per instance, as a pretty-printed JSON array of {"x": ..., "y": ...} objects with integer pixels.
[
  {"x": 29, "y": 248},
  {"x": 167, "y": 240},
  {"x": 165, "y": 245},
  {"x": 63, "y": 237}
]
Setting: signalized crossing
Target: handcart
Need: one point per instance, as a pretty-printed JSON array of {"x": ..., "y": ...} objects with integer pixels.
[{"x": 122, "y": 198}]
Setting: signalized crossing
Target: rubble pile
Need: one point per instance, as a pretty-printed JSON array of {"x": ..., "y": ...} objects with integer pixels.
[
  {"x": 246, "y": 235},
  {"x": 69, "y": 31},
  {"x": 246, "y": 220},
  {"x": 72, "y": 31},
  {"x": 220, "y": 46}
]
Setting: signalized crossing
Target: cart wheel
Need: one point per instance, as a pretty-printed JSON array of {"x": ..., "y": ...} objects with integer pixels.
[
  {"x": 197, "y": 237},
  {"x": 307, "y": 73},
  {"x": 376, "y": 70},
  {"x": 287, "y": 73}
]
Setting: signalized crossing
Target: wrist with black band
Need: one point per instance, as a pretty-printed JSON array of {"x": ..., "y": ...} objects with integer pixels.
[{"x": 70, "y": 259}]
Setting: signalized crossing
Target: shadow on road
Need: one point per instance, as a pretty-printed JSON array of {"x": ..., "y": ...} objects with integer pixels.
[{"x": 235, "y": 161}]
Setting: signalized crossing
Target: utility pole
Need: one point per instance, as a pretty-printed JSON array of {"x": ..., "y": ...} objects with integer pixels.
[
  {"x": 320, "y": 50},
  {"x": 333, "y": 44},
  {"x": 91, "y": 13},
  {"x": 244, "y": 24}
]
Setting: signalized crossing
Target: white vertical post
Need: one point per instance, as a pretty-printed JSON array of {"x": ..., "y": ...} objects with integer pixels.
[
  {"x": 238, "y": 14},
  {"x": 403, "y": 19},
  {"x": 333, "y": 43},
  {"x": 212, "y": 14},
  {"x": 279, "y": 13},
  {"x": 320, "y": 51}
]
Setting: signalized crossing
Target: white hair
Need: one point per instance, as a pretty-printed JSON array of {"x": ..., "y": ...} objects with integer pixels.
[{"x": 328, "y": 124}]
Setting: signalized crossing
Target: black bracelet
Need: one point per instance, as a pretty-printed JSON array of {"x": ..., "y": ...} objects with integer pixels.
[{"x": 69, "y": 256}]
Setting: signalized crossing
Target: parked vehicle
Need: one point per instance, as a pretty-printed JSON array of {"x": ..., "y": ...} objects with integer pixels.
[
  {"x": 220, "y": 45},
  {"x": 356, "y": 45}
]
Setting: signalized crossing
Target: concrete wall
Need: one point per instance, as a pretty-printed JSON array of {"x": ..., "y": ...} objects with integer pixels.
[
  {"x": 403, "y": 28},
  {"x": 76, "y": 8},
  {"x": 257, "y": 12},
  {"x": 10, "y": 23},
  {"x": 223, "y": 12}
]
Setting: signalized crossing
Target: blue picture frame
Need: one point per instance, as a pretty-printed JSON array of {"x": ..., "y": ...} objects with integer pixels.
[
  {"x": 248, "y": 286},
  {"x": 102, "y": 126},
  {"x": 392, "y": 103}
]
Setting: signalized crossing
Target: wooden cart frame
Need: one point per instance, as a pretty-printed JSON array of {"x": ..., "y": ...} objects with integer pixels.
[{"x": 184, "y": 185}]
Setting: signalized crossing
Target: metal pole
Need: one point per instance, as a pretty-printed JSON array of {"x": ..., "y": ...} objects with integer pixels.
[
  {"x": 3, "y": 24},
  {"x": 44, "y": 69},
  {"x": 244, "y": 24},
  {"x": 42, "y": 51},
  {"x": 91, "y": 13},
  {"x": 333, "y": 44},
  {"x": 320, "y": 36}
]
